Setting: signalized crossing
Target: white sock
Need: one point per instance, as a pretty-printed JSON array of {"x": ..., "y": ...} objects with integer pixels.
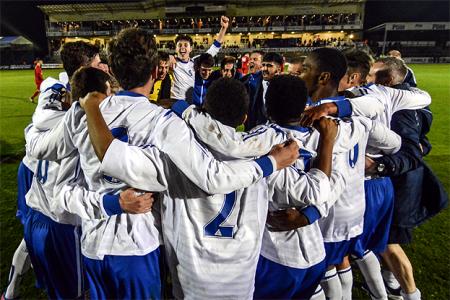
[
  {"x": 332, "y": 285},
  {"x": 346, "y": 278},
  {"x": 390, "y": 279},
  {"x": 20, "y": 265},
  {"x": 413, "y": 296},
  {"x": 371, "y": 271},
  {"x": 318, "y": 294}
]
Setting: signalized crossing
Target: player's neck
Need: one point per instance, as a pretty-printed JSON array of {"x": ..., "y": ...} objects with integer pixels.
[
  {"x": 322, "y": 92},
  {"x": 145, "y": 89}
]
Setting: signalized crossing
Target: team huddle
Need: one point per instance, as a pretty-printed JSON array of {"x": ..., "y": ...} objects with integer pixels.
[{"x": 221, "y": 186}]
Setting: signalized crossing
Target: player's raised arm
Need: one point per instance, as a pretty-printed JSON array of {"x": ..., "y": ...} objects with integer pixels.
[
  {"x": 215, "y": 47},
  {"x": 224, "y": 23},
  {"x": 99, "y": 132}
]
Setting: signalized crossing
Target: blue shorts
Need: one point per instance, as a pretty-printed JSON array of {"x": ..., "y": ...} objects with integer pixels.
[
  {"x": 124, "y": 277},
  {"x": 377, "y": 217},
  {"x": 54, "y": 250},
  {"x": 24, "y": 180},
  {"x": 336, "y": 251},
  {"x": 275, "y": 281}
]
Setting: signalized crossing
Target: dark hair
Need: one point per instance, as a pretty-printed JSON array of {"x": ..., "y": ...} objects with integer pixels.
[
  {"x": 77, "y": 54},
  {"x": 286, "y": 99},
  {"x": 332, "y": 61},
  {"x": 275, "y": 57},
  {"x": 86, "y": 80},
  {"x": 394, "y": 65},
  {"x": 227, "y": 101},
  {"x": 358, "y": 61},
  {"x": 227, "y": 60},
  {"x": 163, "y": 56},
  {"x": 133, "y": 57},
  {"x": 183, "y": 38},
  {"x": 205, "y": 59}
]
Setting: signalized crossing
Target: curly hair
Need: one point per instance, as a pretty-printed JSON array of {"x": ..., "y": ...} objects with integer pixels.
[
  {"x": 132, "y": 57},
  {"x": 86, "y": 80},
  {"x": 77, "y": 54},
  {"x": 227, "y": 101},
  {"x": 286, "y": 99}
]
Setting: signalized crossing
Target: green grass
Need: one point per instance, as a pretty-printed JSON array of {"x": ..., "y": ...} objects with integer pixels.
[{"x": 429, "y": 252}]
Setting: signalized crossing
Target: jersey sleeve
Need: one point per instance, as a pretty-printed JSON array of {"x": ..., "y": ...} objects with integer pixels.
[
  {"x": 408, "y": 99},
  {"x": 338, "y": 184},
  {"x": 302, "y": 188},
  {"x": 383, "y": 139},
  {"x": 214, "y": 48},
  {"x": 227, "y": 140},
  {"x": 53, "y": 144},
  {"x": 177, "y": 142}
]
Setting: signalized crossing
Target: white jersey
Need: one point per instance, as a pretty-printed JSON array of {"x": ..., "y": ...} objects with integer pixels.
[
  {"x": 41, "y": 196},
  {"x": 379, "y": 102},
  {"x": 346, "y": 154},
  {"x": 211, "y": 241},
  {"x": 184, "y": 74},
  {"x": 214, "y": 241},
  {"x": 132, "y": 118}
]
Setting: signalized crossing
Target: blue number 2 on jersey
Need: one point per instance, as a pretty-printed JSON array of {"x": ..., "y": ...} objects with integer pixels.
[{"x": 214, "y": 228}]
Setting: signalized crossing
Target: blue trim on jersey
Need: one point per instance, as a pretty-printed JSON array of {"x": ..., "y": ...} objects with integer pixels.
[
  {"x": 311, "y": 213},
  {"x": 56, "y": 86},
  {"x": 68, "y": 87},
  {"x": 217, "y": 43},
  {"x": 111, "y": 204},
  {"x": 298, "y": 128},
  {"x": 344, "y": 108},
  {"x": 306, "y": 156},
  {"x": 179, "y": 107},
  {"x": 265, "y": 164},
  {"x": 255, "y": 133},
  {"x": 182, "y": 61},
  {"x": 120, "y": 133},
  {"x": 129, "y": 93}
]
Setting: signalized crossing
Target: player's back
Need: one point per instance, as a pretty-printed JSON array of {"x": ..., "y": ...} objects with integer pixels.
[
  {"x": 123, "y": 234},
  {"x": 213, "y": 241}
]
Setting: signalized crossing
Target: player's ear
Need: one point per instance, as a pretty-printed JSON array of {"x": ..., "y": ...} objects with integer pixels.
[{"x": 324, "y": 78}]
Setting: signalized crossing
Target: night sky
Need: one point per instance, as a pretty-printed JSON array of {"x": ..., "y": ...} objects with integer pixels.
[{"x": 24, "y": 18}]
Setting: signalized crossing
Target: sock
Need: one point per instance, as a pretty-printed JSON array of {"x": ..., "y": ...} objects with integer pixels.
[
  {"x": 413, "y": 296},
  {"x": 318, "y": 294},
  {"x": 332, "y": 285},
  {"x": 371, "y": 271},
  {"x": 346, "y": 278},
  {"x": 390, "y": 279},
  {"x": 20, "y": 265}
]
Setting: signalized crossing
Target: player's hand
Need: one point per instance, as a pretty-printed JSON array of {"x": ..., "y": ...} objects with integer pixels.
[
  {"x": 285, "y": 154},
  {"x": 327, "y": 128},
  {"x": 370, "y": 166},
  {"x": 285, "y": 220},
  {"x": 315, "y": 113},
  {"x": 224, "y": 22},
  {"x": 92, "y": 99},
  {"x": 133, "y": 201}
]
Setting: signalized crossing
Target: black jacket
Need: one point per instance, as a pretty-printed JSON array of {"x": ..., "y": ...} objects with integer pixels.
[
  {"x": 256, "y": 111},
  {"x": 419, "y": 194}
]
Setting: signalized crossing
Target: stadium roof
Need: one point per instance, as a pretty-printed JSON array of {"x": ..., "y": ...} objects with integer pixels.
[
  {"x": 8, "y": 41},
  {"x": 62, "y": 12}
]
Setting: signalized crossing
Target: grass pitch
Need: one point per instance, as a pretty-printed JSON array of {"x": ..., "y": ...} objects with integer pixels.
[{"x": 429, "y": 252}]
